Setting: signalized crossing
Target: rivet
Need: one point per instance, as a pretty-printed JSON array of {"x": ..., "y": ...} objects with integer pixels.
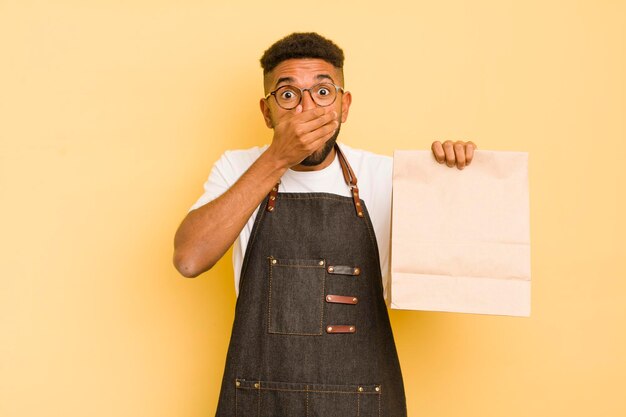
[
  {"x": 331, "y": 269},
  {"x": 377, "y": 389},
  {"x": 274, "y": 189},
  {"x": 256, "y": 385},
  {"x": 272, "y": 198},
  {"x": 270, "y": 208},
  {"x": 274, "y": 261},
  {"x": 360, "y": 389},
  {"x": 329, "y": 298},
  {"x": 360, "y": 214},
  {"x": 237, "y": 383},
  {"x": 351, "y": 328},
  {"x": 357, "y": 271},
  {"x": 329, "y": 329},
  {"x": 354, "y": 300},
  {"x": 321, "y": 262},
  {"x": 358, "y": 204}
]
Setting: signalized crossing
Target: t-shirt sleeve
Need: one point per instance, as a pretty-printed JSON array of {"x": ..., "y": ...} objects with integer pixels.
[
  {"x": 225, "y": 172},
  {"x": 215, "y": 185}
]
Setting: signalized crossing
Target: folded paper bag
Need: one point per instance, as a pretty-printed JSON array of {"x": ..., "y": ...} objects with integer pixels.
[{"x": 461, "y": 239}]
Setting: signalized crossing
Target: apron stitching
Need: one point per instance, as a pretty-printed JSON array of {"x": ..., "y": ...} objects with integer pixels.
[
  {"x": 322, "y": 298},
  {"x": 358, "y": 404},
  {"x": 258, "y": 402},
  {"x": 301, "y": 266},
  {"x": 255, "y": 230},
  {"x": 307, "y": 401},
  {"x": 297, "y": 334},
  {"x": 269, "y": 301},
  {"x": 310, "y": 390},
  {"x": 372, "y": 235},
  {"x": 340, "y": 199}
]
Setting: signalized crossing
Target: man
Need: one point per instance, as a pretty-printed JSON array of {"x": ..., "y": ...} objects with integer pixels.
[{"x": 311, "y": 334}]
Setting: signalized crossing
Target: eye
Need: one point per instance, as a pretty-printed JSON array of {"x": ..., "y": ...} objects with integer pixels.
[
  {"x": 288, "y": 94},
  {"x": 323, "y": 91}
]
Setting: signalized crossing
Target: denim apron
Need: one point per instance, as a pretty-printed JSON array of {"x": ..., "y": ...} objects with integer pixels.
[{"x": 311, "y": 335}]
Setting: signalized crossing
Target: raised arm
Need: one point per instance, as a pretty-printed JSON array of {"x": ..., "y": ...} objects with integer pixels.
[{"x": 206, "y": 233}]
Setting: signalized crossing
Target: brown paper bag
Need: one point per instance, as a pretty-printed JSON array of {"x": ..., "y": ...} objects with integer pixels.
[{"x": 460, "y": 240}]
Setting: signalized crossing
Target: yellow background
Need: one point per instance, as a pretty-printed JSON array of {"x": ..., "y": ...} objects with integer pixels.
[{"x": 112, "y": 113}]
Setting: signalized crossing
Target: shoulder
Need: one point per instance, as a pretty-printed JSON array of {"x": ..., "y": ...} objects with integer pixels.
[
  {"x": 234, "y": 162},
  {"x": 238, "y": 157},
  {"x": 366, "y": 162}
]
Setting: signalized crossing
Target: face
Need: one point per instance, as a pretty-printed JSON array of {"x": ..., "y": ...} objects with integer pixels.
[{"x": 305, "y": 73}]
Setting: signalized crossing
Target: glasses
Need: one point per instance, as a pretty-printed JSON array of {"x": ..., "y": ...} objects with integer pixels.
[{"x": 288, "y": 97}]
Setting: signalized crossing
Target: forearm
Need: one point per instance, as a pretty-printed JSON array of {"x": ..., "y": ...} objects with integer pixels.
[{"x": 207, "y": 232}]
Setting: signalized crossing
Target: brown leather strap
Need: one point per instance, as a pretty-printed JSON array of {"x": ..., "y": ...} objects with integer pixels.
[
  {"x": 271, "y": 201},
  {"x": 343, "y": 270},
  {"x": 340, "y": 328},
  {"x": 341, "y": 299},
  {"x": 351, "y": 180},
  {"x": 348, "y": 174}
]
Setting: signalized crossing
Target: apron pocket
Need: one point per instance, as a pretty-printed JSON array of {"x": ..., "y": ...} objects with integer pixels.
[
  {"x": 288, "y": 399},
  {"x": 296, "y": 296}
]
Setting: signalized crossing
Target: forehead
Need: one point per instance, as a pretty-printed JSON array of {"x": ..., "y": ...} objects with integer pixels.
[{"x": 302, "y": 71}]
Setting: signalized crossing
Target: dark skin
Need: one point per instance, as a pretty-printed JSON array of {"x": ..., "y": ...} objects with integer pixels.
[{"x": 206, "y": 233}]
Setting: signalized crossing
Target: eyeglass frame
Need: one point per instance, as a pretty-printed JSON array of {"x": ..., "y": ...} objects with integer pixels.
[{"x": 302, "y": 90}]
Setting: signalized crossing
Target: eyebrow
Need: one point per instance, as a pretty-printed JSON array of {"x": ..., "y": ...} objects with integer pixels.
[
  {"x": 291, "y": 79},
  {"x": 325, "y": 77},
  {"x": 282, "y": 80}
]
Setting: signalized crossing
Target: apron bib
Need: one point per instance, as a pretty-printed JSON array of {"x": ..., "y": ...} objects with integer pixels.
[{"x": 311, "y": 335}]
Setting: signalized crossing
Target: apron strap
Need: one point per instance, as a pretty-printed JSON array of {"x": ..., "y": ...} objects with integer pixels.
[
  {"x": 351, "y": 180},
  {"x": 348, "y": 175}
]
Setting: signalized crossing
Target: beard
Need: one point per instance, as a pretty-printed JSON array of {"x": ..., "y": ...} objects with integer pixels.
[{"x": 320, "y": 155}]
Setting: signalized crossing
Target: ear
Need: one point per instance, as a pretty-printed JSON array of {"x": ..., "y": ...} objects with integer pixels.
[
  {"x": 345, "y": 105},
  {"x": 265, "y": 110}
]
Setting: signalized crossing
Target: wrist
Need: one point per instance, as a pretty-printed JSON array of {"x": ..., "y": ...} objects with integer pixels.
[
  {"x": 274, "y": 160},
  {"x": 276, "y": 164}
]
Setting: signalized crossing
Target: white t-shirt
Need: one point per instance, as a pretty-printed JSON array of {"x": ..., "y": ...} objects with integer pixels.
[{"x": 373, "y": 173}]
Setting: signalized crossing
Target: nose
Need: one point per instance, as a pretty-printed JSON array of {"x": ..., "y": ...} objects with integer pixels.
[{"x": 307, "y": 100}]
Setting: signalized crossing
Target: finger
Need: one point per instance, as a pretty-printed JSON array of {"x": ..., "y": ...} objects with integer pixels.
[
  {"x": 469, "y": 152},
  {"x": 448, "y": 149},
  {"x": 437, "y": 149},
  {"x": 306, "y": 115},
  {"x": 459, "y": 152},
  {"x": 318, "y": 122},
  {"x": 329, "y": 128},
  {"x": 321, "y": 140},
  {"x": 289, "y": 114},
  {"x": 298, "y": 114}
]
